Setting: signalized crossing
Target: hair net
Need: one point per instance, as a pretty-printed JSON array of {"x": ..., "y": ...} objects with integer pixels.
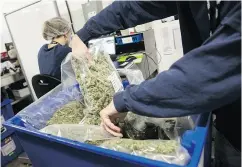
[{"x": 55, "y": 27}]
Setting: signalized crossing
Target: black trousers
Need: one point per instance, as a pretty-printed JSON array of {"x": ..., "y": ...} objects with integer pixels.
[{"x": 225, "y": 154}]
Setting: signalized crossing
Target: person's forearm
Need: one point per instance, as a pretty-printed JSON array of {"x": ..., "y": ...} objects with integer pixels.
[
  {"x": 206, "y": 78},
  {"x": 124, "y": 14}
]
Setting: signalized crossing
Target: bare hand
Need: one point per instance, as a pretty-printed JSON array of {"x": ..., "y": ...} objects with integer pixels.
[
  {"x": 79, "y": 49},
  {"x": 108, "y": 115}
]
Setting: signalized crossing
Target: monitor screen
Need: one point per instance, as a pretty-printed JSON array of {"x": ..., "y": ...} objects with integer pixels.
[{"x": 108, "y": 43}]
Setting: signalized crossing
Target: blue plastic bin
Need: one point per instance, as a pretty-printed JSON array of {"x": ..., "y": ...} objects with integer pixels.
[
  {"x": 10, "y": 149},
  {"x": 50, "y": 151},
  {"x": 6, "y": 113}
]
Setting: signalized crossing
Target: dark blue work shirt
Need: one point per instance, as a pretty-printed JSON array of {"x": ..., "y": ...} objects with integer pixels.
[
  {"x": 208, "y": 76},
  {"x": 50, "y": 59}
]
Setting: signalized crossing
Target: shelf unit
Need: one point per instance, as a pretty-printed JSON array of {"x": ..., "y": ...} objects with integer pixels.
[
  {"x": 8, "y": 79},
  {"x": 19, "y": 99}
]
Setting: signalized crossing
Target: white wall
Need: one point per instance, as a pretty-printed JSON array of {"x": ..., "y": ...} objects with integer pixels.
[
  {"x": 76, "y": 11},
  {"x": 5, "y": 36},
  {"x": 6, "y": 7},
  {"x": 168, "y": 43},
  {"x": 107, "y": 2}
]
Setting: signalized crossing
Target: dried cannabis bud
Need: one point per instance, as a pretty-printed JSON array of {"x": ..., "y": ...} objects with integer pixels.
[
  {"x": 71, "y": 113},
  {"x": 96, "y": 87},
  {"x": 95, "y": 142},
  {"x": 141, "y": 147}
]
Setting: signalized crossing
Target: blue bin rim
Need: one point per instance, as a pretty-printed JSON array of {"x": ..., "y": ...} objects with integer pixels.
[{"x": 199, "y": 137}]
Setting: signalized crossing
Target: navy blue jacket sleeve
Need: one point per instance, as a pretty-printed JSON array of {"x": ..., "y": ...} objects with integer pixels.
[
  {"x": 124, "y": 14},
  {"x": 205, "y": 79},
  {"x": 64, "y": 52}
]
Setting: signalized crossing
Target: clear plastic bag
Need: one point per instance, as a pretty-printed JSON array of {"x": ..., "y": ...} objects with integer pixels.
[
  {"x": 98, "y": 79},
  {"x": 83, "y": 133},
  {"x": 169, "y": 151},
  {"x": 134, "y": 76},
  {"x": 141, "y": 127},
  {"x": 67, "y": 73}
]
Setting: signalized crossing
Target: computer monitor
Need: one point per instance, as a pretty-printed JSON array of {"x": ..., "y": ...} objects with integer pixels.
[{"x": 108, "y": 44}]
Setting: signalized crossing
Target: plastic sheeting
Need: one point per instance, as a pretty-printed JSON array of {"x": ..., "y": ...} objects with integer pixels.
[
  {"x": 38, "y": 113},
  {"x": 81, "y": 133},
  {"x": 168, "y": 151},
  {"x": 68, "y": 77}
]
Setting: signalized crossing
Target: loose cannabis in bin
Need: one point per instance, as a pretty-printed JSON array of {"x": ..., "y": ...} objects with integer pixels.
[{"x": 71, "y": 113}]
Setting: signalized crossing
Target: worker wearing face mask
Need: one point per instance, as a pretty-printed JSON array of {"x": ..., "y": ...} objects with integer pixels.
[
  {"x": 58, "y": 31},
  {"x": 206, "y": 79}
]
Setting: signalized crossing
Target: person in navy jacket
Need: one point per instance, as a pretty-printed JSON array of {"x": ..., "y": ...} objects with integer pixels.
[{"x": 206, "y": 79}]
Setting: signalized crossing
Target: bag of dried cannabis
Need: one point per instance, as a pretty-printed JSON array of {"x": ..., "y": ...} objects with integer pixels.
[
  {"x": 169, "y": 151},
  {"x": 90, "y": 134},
  {"x": 98, "y": 81}
]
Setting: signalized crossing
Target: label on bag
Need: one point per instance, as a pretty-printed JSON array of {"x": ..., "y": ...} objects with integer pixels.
[
  {"x": 8, "y": 148},
  {"x": 117, "y": 85}
]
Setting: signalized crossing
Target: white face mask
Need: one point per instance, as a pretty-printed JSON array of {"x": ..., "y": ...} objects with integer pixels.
[{"x": 69, "y": 40}]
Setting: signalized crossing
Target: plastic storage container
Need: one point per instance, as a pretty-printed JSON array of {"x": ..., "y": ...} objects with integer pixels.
[
  {"x": 6, "y": 113},
  {"x": 51, "y": 151},
  {"x": 10, "y": 149},
  {"x": 10, "y": 145}
]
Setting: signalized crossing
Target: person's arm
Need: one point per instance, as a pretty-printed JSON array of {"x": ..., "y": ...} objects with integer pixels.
[
  {"x": 204, "y": 79},
  {"x": 124, "y": 14}
]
